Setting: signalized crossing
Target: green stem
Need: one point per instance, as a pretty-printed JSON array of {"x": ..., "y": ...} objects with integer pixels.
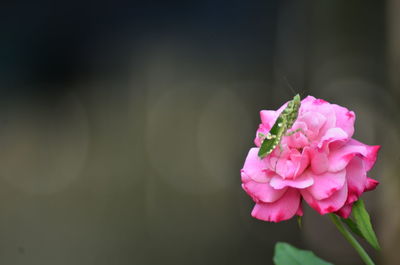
[{"x": 349, "y": 237}]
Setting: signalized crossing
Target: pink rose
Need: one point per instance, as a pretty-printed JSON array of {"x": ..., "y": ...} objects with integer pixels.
[{"x": 321, "y": 164}]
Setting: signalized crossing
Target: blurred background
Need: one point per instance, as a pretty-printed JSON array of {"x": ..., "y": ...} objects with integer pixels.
[{"x": 123, "y": 125}]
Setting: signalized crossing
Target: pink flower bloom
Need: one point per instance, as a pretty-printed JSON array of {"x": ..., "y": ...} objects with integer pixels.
[{"x": 321, "y": 164}]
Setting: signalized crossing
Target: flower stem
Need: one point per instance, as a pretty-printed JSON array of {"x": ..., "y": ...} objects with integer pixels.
[{"x": 353, "y": 242}]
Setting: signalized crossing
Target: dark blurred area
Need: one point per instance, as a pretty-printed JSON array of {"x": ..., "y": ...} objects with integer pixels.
[{"x": 123, "y": 125}]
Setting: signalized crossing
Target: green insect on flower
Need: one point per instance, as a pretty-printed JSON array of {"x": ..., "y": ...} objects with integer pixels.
[{"x": 283, "y": 123}]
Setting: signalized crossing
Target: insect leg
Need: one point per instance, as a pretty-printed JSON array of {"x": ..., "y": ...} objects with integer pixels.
[{"x": 296, "y": 131}]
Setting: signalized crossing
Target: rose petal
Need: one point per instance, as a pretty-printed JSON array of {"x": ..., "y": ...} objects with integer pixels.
[
  {"x": 307, "y": 100},
  {"x": 345, "y": 211},
  {"x": 371, "y": 184},
  {"x": 311, "y": 104},
  {"x": 283, "y": 167},
  {"x": 279, "y": 160},
  {"x": 333, "y": 135},
  {"x": 288, "y": 163},
  {"x": 328, "y": 205},
  {"x": 326, "y": 184},
  {"x": 302, "y": 161},
  {"x": 301, "y": 182},
  {"x": 344, "y": 119},
  {"x": 340, "y": 157},
  {"x": 299, "y": 139},
  {"x": 372, "y": 154},
  {"x": 300, "y": 210},
  {"x": 356, "y": 178},
  {"x": 314, "y": 121},
  {"x": 319, "y": 162},
  {"x": 282, "y": 152},
  {"x": 262, "y": 191},
  {"x": 268, "y": 118},
  {"x": 253, "y": 168},
  {"x": 284, "y": 208}
]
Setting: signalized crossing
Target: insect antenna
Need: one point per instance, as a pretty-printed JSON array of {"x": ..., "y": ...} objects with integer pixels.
[{"x": 289, "y": 85}]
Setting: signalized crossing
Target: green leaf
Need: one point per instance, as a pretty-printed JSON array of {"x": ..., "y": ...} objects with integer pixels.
[
  {"x": 285, "y": 254},
  {"x": 363, "y": 222},
  {"x": 353, "y": 226}
]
